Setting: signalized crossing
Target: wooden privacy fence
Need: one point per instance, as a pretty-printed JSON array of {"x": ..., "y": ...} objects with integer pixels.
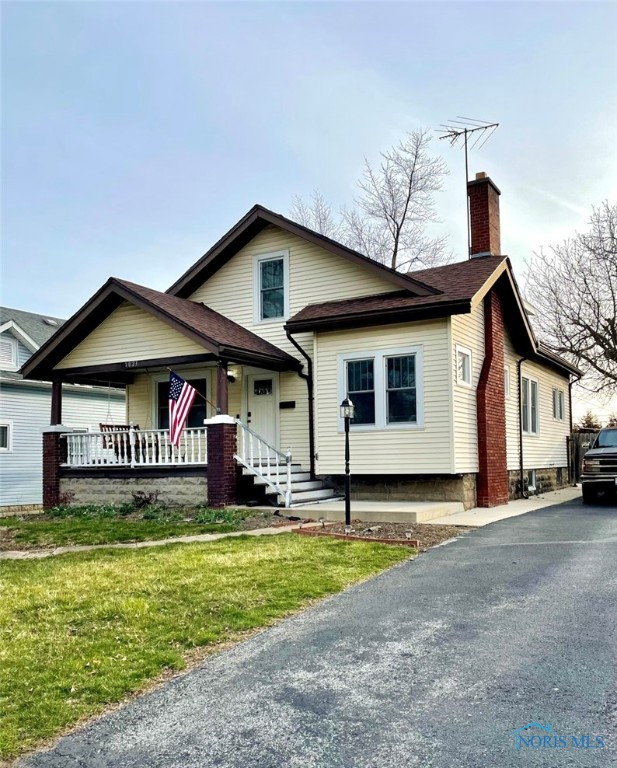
[{"x": 578, "y": 445}]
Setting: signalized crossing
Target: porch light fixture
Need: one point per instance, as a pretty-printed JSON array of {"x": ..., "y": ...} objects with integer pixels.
[
  {"x": 232, "y": 374},
  {"x": 347, "y": 414}
]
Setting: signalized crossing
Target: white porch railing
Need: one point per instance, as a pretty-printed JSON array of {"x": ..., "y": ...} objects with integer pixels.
[
  {"x": 264, "y": 461},
  {"x": 136, "y": 448}
]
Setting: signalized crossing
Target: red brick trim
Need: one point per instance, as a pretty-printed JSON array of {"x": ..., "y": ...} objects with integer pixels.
[
  {"x": 222, "y": 470},
  {"x": 54, "y": 454},
  {"x": 492, "y": 486}
]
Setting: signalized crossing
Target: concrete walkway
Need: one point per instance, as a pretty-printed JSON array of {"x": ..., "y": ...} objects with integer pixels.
[
  {"x": 19, "y": 554},
  {"x": 479, "y": 516}
]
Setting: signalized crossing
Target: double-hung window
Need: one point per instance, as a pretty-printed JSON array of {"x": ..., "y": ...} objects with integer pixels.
[
  {"x": 361, "y": 389},
  {"x": 463, "y": 366},
  {"x": 6, "y": 437},
  {"x": 384, "y": 386},
  {"x": 271, "y": 286},
  {"x": 529, "y": 405},
  {"x": 558, "y": 405}
]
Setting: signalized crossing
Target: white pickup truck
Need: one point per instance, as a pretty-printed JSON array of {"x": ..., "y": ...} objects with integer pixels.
[{"x": 600, "y": 466}]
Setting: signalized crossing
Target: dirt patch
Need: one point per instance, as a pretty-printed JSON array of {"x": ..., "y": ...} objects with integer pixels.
[{"x": 426, "y": 535}]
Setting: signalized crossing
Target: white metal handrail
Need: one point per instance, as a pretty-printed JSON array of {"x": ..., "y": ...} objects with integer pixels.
[
  {"x": 265, "y": 461},
  {"x": 136, "y": 447}
]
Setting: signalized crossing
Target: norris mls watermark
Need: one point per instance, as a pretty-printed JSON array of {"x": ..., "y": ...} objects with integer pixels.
[{"x": 537, "y": 736}]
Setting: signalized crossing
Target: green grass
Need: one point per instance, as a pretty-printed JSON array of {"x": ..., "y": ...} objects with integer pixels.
[
  {"x": 80, "y": 631},
  {"x": 64, "y": 531},
  {"x": 64, "y": 526}
]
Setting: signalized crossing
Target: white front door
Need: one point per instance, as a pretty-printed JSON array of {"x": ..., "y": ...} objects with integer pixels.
[{"x": 261, "y": 405}]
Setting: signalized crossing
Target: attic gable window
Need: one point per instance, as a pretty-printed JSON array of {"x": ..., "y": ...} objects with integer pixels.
[{"x": 271, "y": 286}]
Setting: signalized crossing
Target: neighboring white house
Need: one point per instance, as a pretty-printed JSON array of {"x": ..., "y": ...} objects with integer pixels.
[
  {"x": 25, "y": 406},
  {"x": 455, "y": 397}
]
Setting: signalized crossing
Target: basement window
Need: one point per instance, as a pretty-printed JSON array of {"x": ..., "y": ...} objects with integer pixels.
[{"x": 531, "y": 480}]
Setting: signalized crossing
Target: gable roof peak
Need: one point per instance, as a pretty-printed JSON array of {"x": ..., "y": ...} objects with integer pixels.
[{"x": 253, "y": 222}]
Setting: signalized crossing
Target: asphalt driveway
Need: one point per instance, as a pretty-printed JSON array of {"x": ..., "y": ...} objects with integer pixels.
[{"x": 434, "y": 663}]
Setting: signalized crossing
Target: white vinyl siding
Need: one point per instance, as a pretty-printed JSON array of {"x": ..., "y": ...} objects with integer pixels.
[
  {"x": 130, "y": 333},
  {"x": 28, "y": 409},
  {"x": 467, "y": 333},
  {"x": 396, "y": 449},
  {"x": 548, "y": 447}
]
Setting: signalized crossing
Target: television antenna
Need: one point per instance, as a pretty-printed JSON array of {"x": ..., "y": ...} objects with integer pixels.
[{"x": 458, "y": 132}]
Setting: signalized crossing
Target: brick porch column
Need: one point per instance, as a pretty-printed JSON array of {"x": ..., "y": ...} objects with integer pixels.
[
  {"x": 222, "y": 470},
  {"x": 54, "y": 454}
]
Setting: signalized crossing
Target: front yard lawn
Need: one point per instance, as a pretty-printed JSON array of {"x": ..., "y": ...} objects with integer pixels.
[
  {"x": 81, "y": 631},
  {"x": 94, "y": 524}
]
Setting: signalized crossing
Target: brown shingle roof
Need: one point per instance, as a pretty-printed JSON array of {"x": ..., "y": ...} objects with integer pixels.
[
  {"x": 457, "y": 283},
  {"x": 214, "y": 327}
]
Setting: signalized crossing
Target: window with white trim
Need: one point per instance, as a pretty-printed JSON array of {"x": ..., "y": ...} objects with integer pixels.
[
  {"x": 463, "y": 366},
  {"x": 529, "y": 405},
  {"x": 6, "y": 437},
  {"x": 558, "y": 404},
  {"x": 506, "y": 381},
  {"x": 384, "y": 386},
  {"x": 271, "y": 286},
  {"x": 8, "y": 353}
]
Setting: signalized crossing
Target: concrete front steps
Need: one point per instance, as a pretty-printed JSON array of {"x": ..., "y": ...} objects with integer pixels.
[{"x": 303, "y": 489}]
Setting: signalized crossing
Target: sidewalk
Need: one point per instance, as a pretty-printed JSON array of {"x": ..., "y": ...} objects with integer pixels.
[
  {"x": 29, "y": 554},
  {"x": 479, "y": 516}
]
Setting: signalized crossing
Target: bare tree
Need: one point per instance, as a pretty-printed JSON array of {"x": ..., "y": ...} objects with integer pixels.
[
  {"x": 316, "y": 214},
  {"x": 574, "y": 287},
  {"x": 612, "y": 420},
  {"x": 395, "y": 203},
  {"x": 589, "y": 421}
]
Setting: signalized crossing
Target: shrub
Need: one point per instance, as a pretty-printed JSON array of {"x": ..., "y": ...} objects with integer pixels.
[
  {"x": 142, "y": 499},
  {"x": 160, "y": 513},
  {"x": 207, "y": 516}
]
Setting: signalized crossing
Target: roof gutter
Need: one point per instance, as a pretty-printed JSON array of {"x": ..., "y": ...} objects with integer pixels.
[{"x": 308, "y": 377}]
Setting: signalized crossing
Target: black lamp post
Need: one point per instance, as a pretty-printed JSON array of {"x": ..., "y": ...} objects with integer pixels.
[{"x": 347, "y": 412}]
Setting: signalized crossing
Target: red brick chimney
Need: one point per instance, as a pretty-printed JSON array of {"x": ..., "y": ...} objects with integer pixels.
[{"x": 484, "y": 216}]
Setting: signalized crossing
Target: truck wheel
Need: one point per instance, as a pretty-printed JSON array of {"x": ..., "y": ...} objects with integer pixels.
[{"x": 589, "y": 494}]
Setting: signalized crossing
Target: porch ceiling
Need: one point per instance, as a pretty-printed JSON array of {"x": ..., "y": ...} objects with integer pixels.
[{"x": 218, "y": 336}]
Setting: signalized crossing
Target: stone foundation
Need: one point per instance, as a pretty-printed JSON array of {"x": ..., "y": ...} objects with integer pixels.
[
  {"x": 410, "y": 488},
  {"x": 180, "y": 491},
  {"x": 547, "y": 479}
]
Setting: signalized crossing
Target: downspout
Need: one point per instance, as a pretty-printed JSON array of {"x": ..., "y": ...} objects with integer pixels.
[
  {"x": 308, "y": 377},
  {"x": 524, "y": 493},
  {"x": 571, "y": 468}
]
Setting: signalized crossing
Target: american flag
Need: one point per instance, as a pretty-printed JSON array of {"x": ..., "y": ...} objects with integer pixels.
[{"x": 181, "y": 396}]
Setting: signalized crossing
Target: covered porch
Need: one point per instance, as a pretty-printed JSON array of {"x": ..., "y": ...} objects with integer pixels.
[{"x": 131, "y": 337}]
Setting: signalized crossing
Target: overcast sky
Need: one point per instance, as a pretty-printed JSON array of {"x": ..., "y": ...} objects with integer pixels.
[{"x": 135, "y": 134}]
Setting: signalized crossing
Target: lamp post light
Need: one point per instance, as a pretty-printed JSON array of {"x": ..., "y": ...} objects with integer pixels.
[{"x": 347, "y": 413}]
